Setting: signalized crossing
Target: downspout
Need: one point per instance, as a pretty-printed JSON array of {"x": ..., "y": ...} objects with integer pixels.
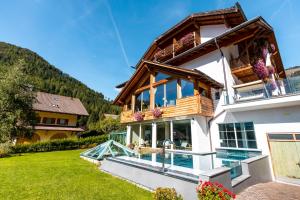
[{"x": 224, "y": 72}]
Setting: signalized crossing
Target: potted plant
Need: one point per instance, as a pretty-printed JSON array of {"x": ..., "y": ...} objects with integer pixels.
[
  {"x": 138, "y": 116},
  {"x": 156, "y": 112},
  {"x": 209, "y": 190},
  {"x": 260, "y": 69}
]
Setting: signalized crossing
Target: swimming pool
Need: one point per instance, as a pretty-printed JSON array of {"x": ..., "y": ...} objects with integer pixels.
[{"x": 222, "y": 158}]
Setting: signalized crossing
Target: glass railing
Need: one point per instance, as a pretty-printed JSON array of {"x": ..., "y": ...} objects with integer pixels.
[{"x": 261, "y": 90}]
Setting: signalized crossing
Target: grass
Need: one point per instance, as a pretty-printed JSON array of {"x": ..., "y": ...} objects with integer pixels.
[{"x": 61, "y": 175}]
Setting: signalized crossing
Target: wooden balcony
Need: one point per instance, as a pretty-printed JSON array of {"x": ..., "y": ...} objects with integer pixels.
[{"x": 195, "y": 105}]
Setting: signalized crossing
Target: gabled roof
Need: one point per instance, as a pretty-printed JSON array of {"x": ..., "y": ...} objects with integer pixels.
[
  {"x": 203, "y": 18},
  {"x": 58, "y": 104},
  {"x": 167, "y": 69},
  {"x": 232, "y": 16},
  {"x": 241, "y": 32}
]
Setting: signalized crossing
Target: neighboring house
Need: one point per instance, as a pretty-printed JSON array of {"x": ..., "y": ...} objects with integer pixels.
[
  {"x": 57, "y": 117},
  {"x": 201, "y": 75}
]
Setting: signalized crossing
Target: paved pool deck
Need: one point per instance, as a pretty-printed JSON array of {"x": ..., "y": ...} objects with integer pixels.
[{"x": 270, "y": 191}]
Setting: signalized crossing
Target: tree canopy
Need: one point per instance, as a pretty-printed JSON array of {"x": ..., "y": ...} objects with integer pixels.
[
  {"x": 47, "y": 78},
  {"x": 16, "y": 98}
]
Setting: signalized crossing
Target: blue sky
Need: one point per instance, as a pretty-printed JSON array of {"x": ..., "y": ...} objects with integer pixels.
[{"x": 96, "y": 41}]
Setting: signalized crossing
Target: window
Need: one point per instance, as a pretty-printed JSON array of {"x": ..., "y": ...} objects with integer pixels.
[
  {"x": 142, "y": 101},
  {"x": 239, "y": 135},
  {"x": 62, "y": 121},
  {"x": 187, "y": 88},
  {"x": 47, "y": 120},
  {"x": 162, "y": 133},
  {"x": 138, "y": 102},
  {"x": 281, "y": 136},
  {"x": 159, "y": 96},
  {"x": 166, "y": 94},
  {"x": 160, "y": 76},
  {"x": 147, "y": 135},
  {"x": 171, "y": 93},
  {"x": 182, "y": 134}
]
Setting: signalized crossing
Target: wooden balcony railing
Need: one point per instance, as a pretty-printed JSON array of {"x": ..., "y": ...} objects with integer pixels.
[
  {"x": 185, "y": 43},
  {"x": 195, "y": 105}
]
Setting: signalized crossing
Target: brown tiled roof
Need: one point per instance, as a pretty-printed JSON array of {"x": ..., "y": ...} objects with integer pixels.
[
  {"x": 59, "y": 104},
  {"x": 58, "y": 128}
]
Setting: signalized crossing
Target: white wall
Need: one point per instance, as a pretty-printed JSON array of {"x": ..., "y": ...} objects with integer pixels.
[
  {"x": 212, "y": 65},
  {"x": 211, "y": 31},
  {"x": 265, "y": 121}
]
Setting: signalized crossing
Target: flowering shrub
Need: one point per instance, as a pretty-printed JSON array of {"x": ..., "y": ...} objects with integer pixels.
[
  {"x": 187, "y": 39},
  {"x": 209, "y": 190},
  {"x": 260, "y": 69},
  {"x": 271, "y": 70},
  {"x": 138, "y": 116},
  {"x": 273, "y": 48},
  {"x": 156, "y": 112},
  {"x": 166, "y": 194}
]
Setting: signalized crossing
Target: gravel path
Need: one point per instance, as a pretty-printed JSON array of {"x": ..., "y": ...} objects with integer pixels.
[{"x": 270, "y": 191}]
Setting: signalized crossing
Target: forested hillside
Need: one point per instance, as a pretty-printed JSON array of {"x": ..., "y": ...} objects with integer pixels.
[{"x": 47, "y": 78}]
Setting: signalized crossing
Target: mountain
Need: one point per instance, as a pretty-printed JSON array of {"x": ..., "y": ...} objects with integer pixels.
[{"x": 47, "y": 78}]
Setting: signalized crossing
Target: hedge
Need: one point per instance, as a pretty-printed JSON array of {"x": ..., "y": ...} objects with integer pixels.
[{"x": 60, "y": 144}]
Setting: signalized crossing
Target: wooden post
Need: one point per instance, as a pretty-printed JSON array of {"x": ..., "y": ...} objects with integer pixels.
[
  {"x": 132, "y": 102},
  {"x": 152, "y": 98}
]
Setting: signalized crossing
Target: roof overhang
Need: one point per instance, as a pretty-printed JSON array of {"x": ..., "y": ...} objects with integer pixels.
[{"x": 148, "y": 66}]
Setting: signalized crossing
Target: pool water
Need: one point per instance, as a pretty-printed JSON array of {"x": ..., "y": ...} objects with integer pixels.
[{"x": 223, "y": 158}]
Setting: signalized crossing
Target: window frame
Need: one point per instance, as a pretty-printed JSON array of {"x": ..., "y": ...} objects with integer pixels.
[{"x": 236, "y": 139}]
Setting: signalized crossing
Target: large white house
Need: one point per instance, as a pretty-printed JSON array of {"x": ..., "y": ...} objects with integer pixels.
[{"x": 216, "y": 82}]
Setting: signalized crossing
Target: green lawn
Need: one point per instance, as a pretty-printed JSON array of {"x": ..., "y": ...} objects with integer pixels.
[{"x": 61, "y": 175}]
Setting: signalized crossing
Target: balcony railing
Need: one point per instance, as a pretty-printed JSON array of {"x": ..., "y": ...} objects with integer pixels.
[
  {"x": 195, "y": 105},
  {"x": 258, "y": 90},
  {"x": 185, "y": 43}
]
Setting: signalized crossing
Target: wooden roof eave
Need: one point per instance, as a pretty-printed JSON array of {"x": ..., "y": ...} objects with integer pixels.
[
  {"x": 220, "y": 38},
  {"x": 151, "y": 66}
]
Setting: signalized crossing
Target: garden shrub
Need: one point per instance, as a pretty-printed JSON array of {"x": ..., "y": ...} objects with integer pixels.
[
  {"x": 5, "y": 149},
  {"x": 209, "y": 190},
  {"x": 90, "y": 133},
  {"x": 166, "y": 194},
  {"x": 60, "y": 144}
]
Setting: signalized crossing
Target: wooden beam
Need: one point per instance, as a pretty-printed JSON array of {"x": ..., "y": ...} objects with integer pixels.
[
  {"x": 132, "y": 102},
  {"x": 152, "y": 97}
]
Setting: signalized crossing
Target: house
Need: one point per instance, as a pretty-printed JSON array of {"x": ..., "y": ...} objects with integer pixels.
[
  {"x": 57, "y": 117},
  {"x": 215, "y": 82}
]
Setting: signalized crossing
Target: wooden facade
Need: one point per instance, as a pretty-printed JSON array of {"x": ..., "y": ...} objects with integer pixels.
[
  {"x": 194, "y": 105},
  {"x": 198, "y": 102}
]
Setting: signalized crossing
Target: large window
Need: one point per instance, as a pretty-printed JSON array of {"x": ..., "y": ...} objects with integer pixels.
[
  {"x": 163, "y": 133},
  {"x": 182, "y": 134},
  {"x": 187, "y": 88},
  {"x": 147, "y": 135},
  {"x": 166, "y": 94},
  {"x": 171, "y": 93},
  {"x": 142, "y": 101},
  {"x": 237, "y": 135},
  {"x": 159, "y": 96}
]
